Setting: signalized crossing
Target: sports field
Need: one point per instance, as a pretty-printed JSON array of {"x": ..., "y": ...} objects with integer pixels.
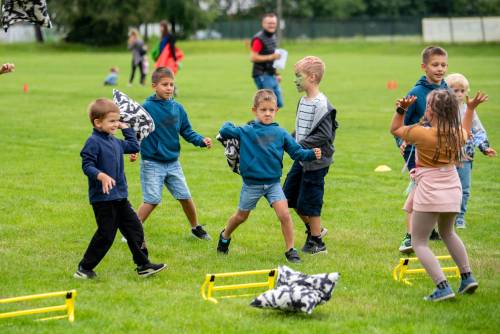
[{"x": 46, "y": 221}]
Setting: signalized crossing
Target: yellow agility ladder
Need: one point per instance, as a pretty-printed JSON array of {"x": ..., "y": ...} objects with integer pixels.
[
  {"x": 209, "y": 285},
  {"x": 69, "y": 305},
  {"x": 401, "y": 271}
]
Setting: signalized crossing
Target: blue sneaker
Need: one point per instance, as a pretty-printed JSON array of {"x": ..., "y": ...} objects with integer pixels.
[
  {"x": 440, "y": 294},
  {"x": 468, "y": 285},
  {"x": 460, "y": 223}
]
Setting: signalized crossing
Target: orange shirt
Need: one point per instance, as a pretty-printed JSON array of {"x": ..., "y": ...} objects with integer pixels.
[{"x": 425, "y": 140}]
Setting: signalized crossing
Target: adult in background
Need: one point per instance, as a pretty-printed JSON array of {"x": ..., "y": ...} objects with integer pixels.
[
  {"x": 263, "y": 55},
  {"x": 139, "y": 50},
  {"x": 166, "y": 54}
]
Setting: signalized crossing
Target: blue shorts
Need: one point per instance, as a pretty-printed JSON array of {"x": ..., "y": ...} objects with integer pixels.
[
  {"x": 250, "y": 195},
  {"x": 304, "y": 190},
  {"x": 154, "y": 174}
]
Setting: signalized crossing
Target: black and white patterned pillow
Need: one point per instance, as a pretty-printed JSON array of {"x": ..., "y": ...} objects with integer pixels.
[
  {"x": 232, "y": 152},
  {"x": 33, "y": 11},
  {"x": 296, "y": 291},
  {"x": 134, "y": 115}
]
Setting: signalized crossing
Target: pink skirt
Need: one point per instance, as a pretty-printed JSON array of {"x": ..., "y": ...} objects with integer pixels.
[{"x": 436, "y": 190}]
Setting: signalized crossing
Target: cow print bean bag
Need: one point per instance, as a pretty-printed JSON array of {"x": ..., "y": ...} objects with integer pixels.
[
  {"x": 232, "y": 152},
  {"x": 34, "y": 11},
  {"x": 134, "y": 115},
  {"x": 295, "y": 291}
]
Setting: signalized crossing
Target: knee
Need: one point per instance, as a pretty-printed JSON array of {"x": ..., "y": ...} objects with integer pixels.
[{"x": 241, "y": 217}]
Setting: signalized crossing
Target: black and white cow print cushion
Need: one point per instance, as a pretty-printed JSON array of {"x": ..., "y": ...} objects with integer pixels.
[
  {"x": 232, "y": 152},
  {"x": 296, "y": 291},
  {"x": 134, "y": 115},
  {"x": 34, "y": 11}
]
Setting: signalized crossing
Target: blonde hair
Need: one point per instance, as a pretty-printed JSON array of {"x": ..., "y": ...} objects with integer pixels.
[
  {"x": 264, "y": 95},
  {"x": 134, "y": 32},
  {"x": 457, "y": 79},
  {"x": 311, "y": 65},
  {"x": 100, "y": 108}
]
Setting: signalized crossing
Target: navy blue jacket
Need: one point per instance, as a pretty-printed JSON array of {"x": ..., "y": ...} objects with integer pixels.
[
  {"x": 170, "y": 119},
  {"x": 421, "y": 90},
  {"x": 261, "y": 150},
  {"x": 103, "y": 152}
]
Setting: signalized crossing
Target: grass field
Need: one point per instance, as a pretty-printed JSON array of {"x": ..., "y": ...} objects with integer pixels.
[{"x": 46, "y": 221}]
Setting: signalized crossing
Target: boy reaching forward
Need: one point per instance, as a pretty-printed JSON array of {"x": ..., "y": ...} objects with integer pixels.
[{"x": 262, "y": 143}]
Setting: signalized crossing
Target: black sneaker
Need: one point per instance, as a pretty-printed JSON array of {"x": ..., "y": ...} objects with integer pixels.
[
  {"x": 149, "y": 269},
  {"x": 84, "y": 273},
  {"x": 223, "y": 245},
  {"x": 323, "y": 232},
  {"x": 292, "y": 256},
  {"x": 315, "y": 246},
  {"x": 200, "y": 233},
  {"x": 434, "y": 235}
]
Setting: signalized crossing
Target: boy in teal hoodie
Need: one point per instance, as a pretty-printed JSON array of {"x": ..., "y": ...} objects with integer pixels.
[
  {"x": 262, "y": 144},
  {"x": 160, "y": 151}
]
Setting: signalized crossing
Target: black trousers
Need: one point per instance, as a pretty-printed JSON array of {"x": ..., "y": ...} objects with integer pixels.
[
  {"x": 141, "y": 70},
  {"x": 110, "y": 217}
]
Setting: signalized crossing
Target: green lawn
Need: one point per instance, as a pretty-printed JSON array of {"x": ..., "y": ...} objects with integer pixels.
[{"x": 46, "y": 221}]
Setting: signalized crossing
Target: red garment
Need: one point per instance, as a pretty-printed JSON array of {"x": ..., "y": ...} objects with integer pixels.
[
  {"x": 166, "y": 59},
  {"x": 257, "y": 45}
]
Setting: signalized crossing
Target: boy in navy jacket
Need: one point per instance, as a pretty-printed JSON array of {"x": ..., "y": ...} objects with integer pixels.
[
  {"x": 102, "y": 162},
  {"x": 262, "y": 144}
]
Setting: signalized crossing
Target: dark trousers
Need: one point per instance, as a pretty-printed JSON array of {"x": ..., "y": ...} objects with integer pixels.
[
  {"x": 141, "y": 70},
  {"x": 110, "y": 217}
]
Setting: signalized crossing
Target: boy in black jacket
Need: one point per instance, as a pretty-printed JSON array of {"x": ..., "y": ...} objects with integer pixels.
[
  {"x": 314, "y": 127},
  {"x": 102, "y": 162}
]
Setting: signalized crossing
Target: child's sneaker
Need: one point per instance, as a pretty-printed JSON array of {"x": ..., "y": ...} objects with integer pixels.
[
  {"x": 292, "y": 256},
  {"x": 434, "y": 235},
  {"x": 223, "y": 245},
  {"x": 314, "y": 246},
  {"x": 323, "y": 232},
  {"x": 200, "y": 233},
  {"x": 468, "y": 285},
  {"x": 440, "y": 294},
  {"x": 84, "y": 273},
  {"x": 405, "y": 246},
  {"x": 149, "y": 269},
  {"x": 460, "y": 223}
]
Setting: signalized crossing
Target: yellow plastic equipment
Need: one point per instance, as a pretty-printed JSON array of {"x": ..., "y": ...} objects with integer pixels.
[
  {"x": 69, "y": 305},
  {"x": 209, "y": 285},
  {"x": 401, "y": 271}
]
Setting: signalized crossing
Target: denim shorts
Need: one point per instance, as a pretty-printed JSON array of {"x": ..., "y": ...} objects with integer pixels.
[
  {"x": 154, "y": 174},
  {"x": 250, "y": 195},
  {"x": 267, "y": 81},
  {"x": 304, "y": 190}
]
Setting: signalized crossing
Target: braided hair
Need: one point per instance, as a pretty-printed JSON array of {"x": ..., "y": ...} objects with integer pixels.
[{"x": 445, "y": 107}]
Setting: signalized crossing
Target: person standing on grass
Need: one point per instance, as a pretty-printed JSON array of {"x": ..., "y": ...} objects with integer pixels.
[
  {"x": 166, "y": 54},
  {"x": 437, "y": 194},
  {"x": 138, "y": 48},
  {"x": 315, "y": 126},
  {"x": 435, "y": 65},
  {"x": 460, "y": 85},
  {"x": 262, "y": 55},
  {"x": 262, "y": 144},
  {"x": 161, "y": 149},
  {"x": 102, "y": 162}
]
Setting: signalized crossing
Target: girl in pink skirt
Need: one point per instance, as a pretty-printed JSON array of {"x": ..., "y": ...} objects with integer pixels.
[{"x": 438, "y": 139}]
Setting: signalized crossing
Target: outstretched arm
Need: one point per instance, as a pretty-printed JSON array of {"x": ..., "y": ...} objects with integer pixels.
[
  {"x": 230, "y": 131},
  {"x": 397, "y": 127},
  {"x": 296, "y": 152},
  {"x": 471, "y": 106}
]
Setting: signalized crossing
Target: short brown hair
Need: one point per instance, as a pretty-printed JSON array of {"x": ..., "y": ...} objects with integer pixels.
[
  {"x": 266, "y": 15},
  {"x": 100, "y": 108},
  {"x": 264, "y": 95},
  {"x": 430, "y": 51},
  {"x": 311, "y": 65},
  {"x": 160, "y": 73}
]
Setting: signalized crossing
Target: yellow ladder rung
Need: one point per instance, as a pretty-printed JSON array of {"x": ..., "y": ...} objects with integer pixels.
[{"x": 240, "y": 286}]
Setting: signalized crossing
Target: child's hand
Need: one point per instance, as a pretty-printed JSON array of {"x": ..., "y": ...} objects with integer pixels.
[
  {"x": 6, "y": 68},
  {"x": 477, "y": 100},
  {"x": 208, "y": 142},
  {"x": 122, "y": 125},
  {"x": 405, "y": 102},
  {"x": 402, "y": 148},
  {"x": 107, "y": 182},
  {"x": 317, "y": 153},
  {"x": 413, "y": 173},
  {"x": 133, "y": 157},
  {"x": 490, "y": 152}
]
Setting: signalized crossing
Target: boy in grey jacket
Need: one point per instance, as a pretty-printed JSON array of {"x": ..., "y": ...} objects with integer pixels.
[{"x": 315, "y": 126}]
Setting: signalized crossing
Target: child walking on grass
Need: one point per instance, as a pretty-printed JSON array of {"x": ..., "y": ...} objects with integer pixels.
[{"x": 437, "y": 195}]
